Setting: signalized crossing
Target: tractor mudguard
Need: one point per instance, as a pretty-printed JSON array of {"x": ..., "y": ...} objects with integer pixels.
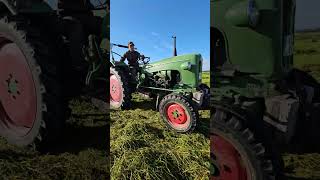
[{"x": 6, "y": 5}]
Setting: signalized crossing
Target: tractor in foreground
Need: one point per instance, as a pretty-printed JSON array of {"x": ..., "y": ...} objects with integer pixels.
[
  {"x": 174, "y": 83},
  {"x": 37, "y": 78},
  {"x": 260, "y": 102}
]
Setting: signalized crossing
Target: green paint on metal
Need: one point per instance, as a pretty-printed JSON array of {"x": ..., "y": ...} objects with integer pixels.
[
  {"x": 259, "y": 49},
  {"x": 256, "y": 55},
  {"x": 189, "y": 77}
]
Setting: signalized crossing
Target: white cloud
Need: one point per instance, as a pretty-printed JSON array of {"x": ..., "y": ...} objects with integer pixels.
[{"x": 155, "y": 34}]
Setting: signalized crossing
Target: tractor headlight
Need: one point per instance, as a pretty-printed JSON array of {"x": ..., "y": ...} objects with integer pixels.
[{"x": 253, "y": 13}]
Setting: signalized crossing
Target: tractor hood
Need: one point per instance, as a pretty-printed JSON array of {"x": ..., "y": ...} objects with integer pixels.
[
  {"x": 256, "y": 35},
  {"x": 175, "y": 63},
  {"x": 188, "y": 66}
]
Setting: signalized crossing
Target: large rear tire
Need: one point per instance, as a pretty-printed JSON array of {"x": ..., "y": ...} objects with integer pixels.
[
  {"x": 238, "y": 155},
  {"x": 32, "y": 105},
  {"x": 120, "y": 94}
]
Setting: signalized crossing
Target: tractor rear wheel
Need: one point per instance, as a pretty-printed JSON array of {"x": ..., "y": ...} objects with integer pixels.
[
  {"x": 178, "y": 113},
  {"x": 238, "y": 155},
  {"x": 32, "y": 106},
  {"x": 120, "y": 94}
]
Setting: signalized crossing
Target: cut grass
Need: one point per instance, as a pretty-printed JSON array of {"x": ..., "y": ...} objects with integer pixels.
[
  {"x": 143, "y": 148},
  {"x": 81, "y": 153}
]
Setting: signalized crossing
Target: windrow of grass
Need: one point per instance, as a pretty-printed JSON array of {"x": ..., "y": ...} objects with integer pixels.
[{"x": 142, "y": 147}]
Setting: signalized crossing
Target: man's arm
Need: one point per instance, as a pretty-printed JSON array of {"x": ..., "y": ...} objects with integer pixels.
[
  {"x": 123, "y": 58},
  {"x": 140, "y": 56}
]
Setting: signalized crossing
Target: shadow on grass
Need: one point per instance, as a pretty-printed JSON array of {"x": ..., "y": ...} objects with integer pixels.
[
  {"x": 79, "y": 137},
  {"x": 296, "y": 178},
  {"x": 304, "y": 147},
  {"x": 13, "y": 155},
  {"x": 144, "y": 104},
  {"x": 203, "y": 127}
]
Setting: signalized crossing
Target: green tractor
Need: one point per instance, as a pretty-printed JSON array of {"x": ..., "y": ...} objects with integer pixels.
[
  {"x": 36, "y": 77},
  {"x": 259, "y": 101},
  {"x": 174, "y": 83}
]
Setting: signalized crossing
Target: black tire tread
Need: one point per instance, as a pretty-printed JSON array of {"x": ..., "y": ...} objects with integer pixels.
[
  {"x": 194, "y": 115},
  {"x": 233, "y": 126}
]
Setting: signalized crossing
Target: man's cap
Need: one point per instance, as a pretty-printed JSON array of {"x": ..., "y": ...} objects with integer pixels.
[{"x": 130, "y": 43}]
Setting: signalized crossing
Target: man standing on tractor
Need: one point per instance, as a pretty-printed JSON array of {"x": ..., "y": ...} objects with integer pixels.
[
  {"x": 78, "y": 22},
  {"x": 133, "y": 57}
]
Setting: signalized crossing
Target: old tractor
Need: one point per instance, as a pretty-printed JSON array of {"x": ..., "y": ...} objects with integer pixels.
[
  {"x": 174, "y": 83},
  {"x": 37, "y": 78},
  {"x": 259, "y": 100}
]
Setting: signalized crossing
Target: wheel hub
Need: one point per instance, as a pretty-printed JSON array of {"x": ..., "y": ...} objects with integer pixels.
[
  {"x": 176, "y": 114},
  {"x": 230, "y": 163},
  {"x": 12, "y": 84}
]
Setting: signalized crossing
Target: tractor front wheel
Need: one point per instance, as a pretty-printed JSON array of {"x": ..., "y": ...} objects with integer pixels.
[
  {"x": 178, "y": 113},
  {"x": 238, "y": 155}
]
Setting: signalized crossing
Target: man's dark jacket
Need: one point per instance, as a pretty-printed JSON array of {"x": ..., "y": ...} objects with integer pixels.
[{"x": 132, "y": 57}]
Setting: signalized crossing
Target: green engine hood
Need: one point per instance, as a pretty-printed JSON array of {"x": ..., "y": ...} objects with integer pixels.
[{"x": 189, "y": 67}]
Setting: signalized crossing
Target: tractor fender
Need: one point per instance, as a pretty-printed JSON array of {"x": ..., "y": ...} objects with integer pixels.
[{"x": 5, "y": 5}]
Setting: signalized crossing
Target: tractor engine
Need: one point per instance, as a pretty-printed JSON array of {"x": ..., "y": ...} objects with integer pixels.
[{"x": 165, "y": 79}]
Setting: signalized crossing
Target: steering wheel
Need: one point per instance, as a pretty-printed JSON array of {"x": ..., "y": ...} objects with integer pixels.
[{"x": 145, "y": 60}]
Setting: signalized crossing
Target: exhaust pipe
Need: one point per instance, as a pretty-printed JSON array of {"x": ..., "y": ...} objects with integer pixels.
[{"x": 174, "y": 45}]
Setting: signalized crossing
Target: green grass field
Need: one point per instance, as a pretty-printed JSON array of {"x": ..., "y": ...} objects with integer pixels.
[{"x": 143, "y": 148}]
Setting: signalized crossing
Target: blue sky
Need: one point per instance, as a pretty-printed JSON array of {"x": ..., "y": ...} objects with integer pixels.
[{"x": 151, "y": 24}]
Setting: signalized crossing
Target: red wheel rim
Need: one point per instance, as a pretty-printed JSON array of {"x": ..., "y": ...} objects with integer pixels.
[
  {"x": 231, "y": 165},
  {"x": 17, "y": 89},
  {"x": 176, "y": 114},
  {"x": 115, "y": 89}
]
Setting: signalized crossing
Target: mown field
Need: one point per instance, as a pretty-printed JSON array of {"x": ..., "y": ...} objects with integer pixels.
[{"x": 143, "y": 148}]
